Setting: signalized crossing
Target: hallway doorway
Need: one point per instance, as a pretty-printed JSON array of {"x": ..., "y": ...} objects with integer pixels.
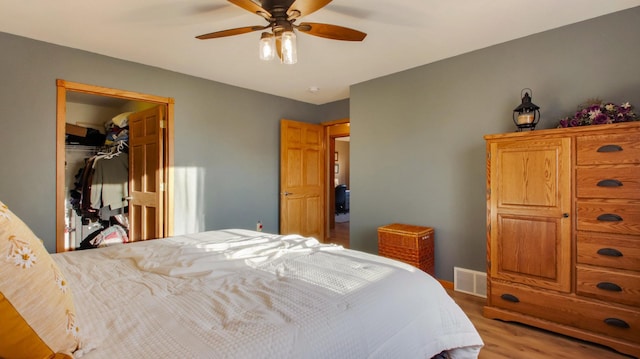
[{"x": 338, "y": 182}]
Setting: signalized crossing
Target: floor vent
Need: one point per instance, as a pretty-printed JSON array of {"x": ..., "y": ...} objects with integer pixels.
[{"x": 470, "y": 282}]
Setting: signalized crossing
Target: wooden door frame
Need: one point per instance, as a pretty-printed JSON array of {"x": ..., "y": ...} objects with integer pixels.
[
  {"x": 62, "y": 88},
  {"x": 329, "y": 139}
]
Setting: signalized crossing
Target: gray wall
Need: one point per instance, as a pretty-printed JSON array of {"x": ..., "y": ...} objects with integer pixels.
[
  {"x": 227, "y": 137},
  {"x": 417, "y": 151}
]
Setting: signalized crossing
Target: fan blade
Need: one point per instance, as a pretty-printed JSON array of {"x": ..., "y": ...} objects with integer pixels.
[
  {"x": 331, "y": 31},
  {"x": 305, "y": 7},
  {"x": 231, "y": 32},
  {"x": 252, "y": 7}
]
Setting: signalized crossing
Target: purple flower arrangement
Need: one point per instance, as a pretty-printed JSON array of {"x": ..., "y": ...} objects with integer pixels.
[{"x": 600, "y": 113}]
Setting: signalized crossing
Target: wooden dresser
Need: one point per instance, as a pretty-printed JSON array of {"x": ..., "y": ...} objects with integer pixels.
[{"x": 563, "y": 232}]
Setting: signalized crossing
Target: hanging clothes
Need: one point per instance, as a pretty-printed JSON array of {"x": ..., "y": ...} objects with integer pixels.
[
  {"x": 85, "y": 200},
  {"x": 110, "y": 182},
  {"x": 100, "y": 197},
  {"x": 103, "y": 184}
]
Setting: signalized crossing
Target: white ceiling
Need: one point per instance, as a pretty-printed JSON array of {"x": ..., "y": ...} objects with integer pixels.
[{"x": 402, "y": 34}]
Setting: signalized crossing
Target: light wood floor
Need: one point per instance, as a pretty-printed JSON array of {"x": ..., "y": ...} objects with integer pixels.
[
  {"x": 515, "y": 341},
  {"x": 340, "y": 235}
]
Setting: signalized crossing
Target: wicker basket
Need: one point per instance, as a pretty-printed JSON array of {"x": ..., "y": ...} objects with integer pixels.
[{"x": 407, "y": 243}]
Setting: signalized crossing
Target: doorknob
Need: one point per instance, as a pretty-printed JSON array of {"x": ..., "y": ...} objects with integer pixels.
[{"x": 285, "y": 193}]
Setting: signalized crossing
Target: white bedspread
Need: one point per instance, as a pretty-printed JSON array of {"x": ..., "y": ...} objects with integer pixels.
[{"x": 245, "y": 294}]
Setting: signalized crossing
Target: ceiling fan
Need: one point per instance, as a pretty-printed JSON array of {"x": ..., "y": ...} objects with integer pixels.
[{"x": 282, "y": 15}]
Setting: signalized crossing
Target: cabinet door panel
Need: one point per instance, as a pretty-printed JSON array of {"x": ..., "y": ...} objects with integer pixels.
[
  {"x": 528, "y": 178},
  {"x": 529, "y": 210},
  {"x": 532, "y": 250}
]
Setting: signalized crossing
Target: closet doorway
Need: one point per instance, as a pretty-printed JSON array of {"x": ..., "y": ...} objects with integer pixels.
[{"x": 150, "y": 153}]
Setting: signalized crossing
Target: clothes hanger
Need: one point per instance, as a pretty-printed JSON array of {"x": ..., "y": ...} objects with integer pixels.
[{"x": 113, "y": 151}]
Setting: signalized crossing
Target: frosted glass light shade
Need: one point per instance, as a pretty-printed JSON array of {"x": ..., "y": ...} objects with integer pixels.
[
  {"x": 289, "y": 50},
  {"x": 267, "y": 47}
]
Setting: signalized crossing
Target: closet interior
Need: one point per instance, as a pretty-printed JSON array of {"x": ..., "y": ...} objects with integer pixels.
[{"x": 97, "y": 169}]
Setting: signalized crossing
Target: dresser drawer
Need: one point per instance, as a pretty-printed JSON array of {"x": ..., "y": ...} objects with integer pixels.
[
  {"x": 618, "y": 287},
  {"x": 609, "y": 250},
  {"x": 596, "y": 317},
  {"x": 609, "y": 182},
  {"x": 608, "y": 217},
  {"x": 608, "y": 149}
]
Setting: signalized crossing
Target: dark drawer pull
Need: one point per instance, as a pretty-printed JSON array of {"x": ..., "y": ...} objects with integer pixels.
[
  {"x": 510, "y": 298},
  {"x": 609, "y": 183},
  {"x": 610, "y": 148},
  {"x": 608, "y": 217},
  {"x": 612, "y": 287},
  {"x": 615, "y": 322},
  {"x": 611, "y": 252}
]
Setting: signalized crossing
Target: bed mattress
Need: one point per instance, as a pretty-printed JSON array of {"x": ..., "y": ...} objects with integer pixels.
[{"x": 245, "y": 294}]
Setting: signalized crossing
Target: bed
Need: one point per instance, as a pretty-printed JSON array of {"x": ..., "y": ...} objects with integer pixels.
[{"x": 240, "y": 294}]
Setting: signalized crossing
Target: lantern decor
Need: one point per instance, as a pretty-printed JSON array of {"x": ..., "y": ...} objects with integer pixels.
[{"x": 527, "y": 114}]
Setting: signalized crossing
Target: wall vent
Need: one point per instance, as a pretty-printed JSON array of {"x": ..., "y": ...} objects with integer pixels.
[{"x": 470, "y": 282}]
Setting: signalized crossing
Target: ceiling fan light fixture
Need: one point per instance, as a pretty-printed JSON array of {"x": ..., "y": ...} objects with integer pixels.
[
  {"x": 281, "y": 15},
  {"x": 289, "y": 48},
  {"x": 267, "y": 46}
]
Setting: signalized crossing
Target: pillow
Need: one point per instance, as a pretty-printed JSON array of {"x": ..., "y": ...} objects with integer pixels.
[{"x": 36, "y": 307}]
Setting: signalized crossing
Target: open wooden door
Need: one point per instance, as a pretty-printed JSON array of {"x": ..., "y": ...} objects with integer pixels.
[
  {"x": 146, "y": 174},
  {"x": 302, "y": 202}
]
